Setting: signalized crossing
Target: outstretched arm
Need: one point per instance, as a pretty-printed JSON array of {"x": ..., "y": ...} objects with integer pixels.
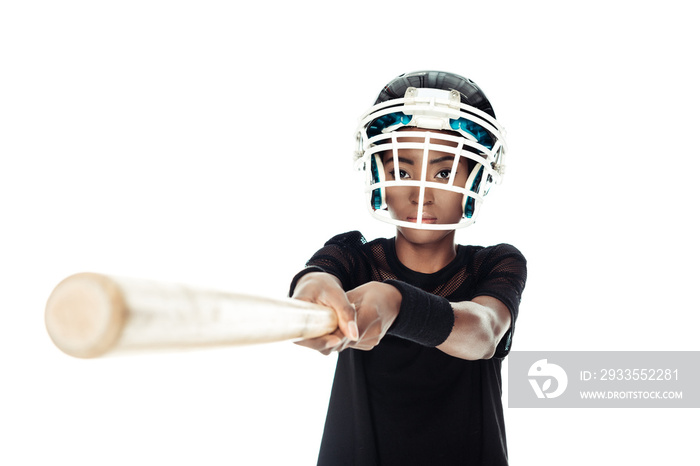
[
  {"x": 366, "y": 314},
  {"x": 466, "y": 330}
]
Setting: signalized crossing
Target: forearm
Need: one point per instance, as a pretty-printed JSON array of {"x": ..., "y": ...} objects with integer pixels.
[
  {"x": 479, "y": 326},
  {"x": 466, "y": 330},
  {"x": 315, "y": 275}
]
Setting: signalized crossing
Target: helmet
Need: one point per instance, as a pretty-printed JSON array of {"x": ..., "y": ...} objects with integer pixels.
[{"x": 444, "y": 112}]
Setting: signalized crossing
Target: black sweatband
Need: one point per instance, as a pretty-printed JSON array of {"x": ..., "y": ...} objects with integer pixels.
[{"x": 424, "y": 318}]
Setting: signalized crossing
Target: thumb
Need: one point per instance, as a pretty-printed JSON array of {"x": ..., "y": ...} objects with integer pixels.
[{"x": 347, "y": 322}]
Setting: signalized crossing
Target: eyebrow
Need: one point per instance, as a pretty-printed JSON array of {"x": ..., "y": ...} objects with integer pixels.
[
  {"x": 411, "y": 162},
  {"x": 446, "y": 158}
]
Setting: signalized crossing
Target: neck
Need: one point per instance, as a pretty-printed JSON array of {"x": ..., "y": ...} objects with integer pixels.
[{"x": 427, "y": 256}]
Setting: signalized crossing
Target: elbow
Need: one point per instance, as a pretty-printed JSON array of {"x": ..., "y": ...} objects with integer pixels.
[
  {"x": 479, "y": 346},
  {"x": 492, "y": 332},
  {"x": 475, "y": 354},
  {"x": 490, "y": 350},
  {"x": 484, "y": 338},
  {"x": 484, "y": 347},
  {"x": 476, "y": 333},
  {"x": 492, "y": 337}
]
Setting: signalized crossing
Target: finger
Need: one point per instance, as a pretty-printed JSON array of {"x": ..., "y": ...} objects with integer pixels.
[
  {"x": 345, "y": 311},
  {"x": 353, "y": 332},
  {"x": 366, "y": 346},
  {"x": 325, "y": 343},
  {"x": 321, "y": 343}
]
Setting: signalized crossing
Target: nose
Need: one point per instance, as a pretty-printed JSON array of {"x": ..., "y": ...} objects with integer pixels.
[{"x": 428, "y": 196}]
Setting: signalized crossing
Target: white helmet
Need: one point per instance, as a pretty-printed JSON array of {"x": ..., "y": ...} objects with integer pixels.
[{"x": 431, "y": 100}]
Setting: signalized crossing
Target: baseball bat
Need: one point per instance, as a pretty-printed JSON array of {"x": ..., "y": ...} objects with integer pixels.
[{"x": 89, "y": 315}]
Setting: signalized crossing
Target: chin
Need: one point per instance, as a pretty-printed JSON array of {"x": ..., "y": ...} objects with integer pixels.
[{"x": 423, "y": 237}]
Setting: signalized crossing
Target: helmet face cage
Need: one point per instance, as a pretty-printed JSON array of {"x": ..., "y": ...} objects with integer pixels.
[{"x": 432, "y": 122}]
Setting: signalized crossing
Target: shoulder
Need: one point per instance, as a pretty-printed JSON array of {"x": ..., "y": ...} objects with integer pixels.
[
  {"x": 500, "y": 260},
  {"x": 349, "y": 257},
  {"x": 348, "y": 247},
  {"x": 350, "y": 238},
  {"x": 497, "y": 252},
  {"x": 356, "y": 240}
]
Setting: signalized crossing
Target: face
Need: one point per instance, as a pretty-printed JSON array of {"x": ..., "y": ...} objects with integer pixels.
[{"x": 435, "y": 206}]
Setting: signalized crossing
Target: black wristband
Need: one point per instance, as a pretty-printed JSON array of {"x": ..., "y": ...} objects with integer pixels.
[{"x": 424, "y": 318}]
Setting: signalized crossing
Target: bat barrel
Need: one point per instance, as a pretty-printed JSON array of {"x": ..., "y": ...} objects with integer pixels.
[{"x": 90, "y": 315}]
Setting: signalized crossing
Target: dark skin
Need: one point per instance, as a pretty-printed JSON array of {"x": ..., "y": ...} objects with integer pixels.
[{"x": 366, "y": 312}]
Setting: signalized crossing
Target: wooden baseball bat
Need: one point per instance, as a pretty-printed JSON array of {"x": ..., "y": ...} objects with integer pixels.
[{"x": 90, "y": 315}]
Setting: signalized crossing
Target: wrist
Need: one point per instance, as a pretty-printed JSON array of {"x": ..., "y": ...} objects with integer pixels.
[{"x": 423, "y": 318}]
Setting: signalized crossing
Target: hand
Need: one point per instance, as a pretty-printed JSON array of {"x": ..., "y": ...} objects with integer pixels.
[
  {"x": 376, "y": 306},
  {"x": 325, "y": 289}
]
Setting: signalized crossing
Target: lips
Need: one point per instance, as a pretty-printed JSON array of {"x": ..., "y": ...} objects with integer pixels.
[{"x": 426, "y": 219}]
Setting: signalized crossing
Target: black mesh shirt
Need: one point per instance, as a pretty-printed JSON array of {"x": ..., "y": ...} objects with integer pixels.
[{"x": 406, "y": 404}]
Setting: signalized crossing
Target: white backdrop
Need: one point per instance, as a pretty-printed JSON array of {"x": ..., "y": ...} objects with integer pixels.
[{"x": 210, "y": 143}]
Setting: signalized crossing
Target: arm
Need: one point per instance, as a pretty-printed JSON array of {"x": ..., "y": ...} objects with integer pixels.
[
  {"x": 481, "y": 323},
  {"x": 466, "y": 330},
  {"x": 373, "y": 307},
  {"x": 479, "y": 326}
]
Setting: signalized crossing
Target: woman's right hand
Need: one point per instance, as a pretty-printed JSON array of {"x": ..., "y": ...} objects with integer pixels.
[{"x": 325, "y": 289}]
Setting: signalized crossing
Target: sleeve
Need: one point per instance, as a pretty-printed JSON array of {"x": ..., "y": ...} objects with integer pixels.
[
  {"x": 341, "y": 256},
  {"x": 502, "y": 273}
]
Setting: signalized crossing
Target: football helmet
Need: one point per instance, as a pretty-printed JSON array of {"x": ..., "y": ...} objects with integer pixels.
[{"x": 437, "y": 113}]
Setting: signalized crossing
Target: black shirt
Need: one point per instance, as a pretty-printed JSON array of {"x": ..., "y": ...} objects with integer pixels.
[{"x": 406, "y": 404}]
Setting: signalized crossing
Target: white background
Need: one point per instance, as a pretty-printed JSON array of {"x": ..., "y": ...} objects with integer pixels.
[{"x": 210, "y": 143}]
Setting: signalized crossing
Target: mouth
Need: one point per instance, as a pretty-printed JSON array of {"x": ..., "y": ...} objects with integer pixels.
[{"x": 426, "y": 219}]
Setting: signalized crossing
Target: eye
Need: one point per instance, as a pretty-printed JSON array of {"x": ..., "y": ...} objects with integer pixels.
[
  {"x": 403, "y": 175},
  {"x": 443, "y": 174}
]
